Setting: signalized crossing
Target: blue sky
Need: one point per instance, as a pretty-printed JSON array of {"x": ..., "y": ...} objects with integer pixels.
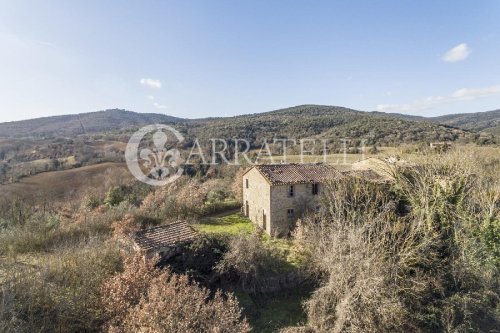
[{"x": 220, "y": 58}]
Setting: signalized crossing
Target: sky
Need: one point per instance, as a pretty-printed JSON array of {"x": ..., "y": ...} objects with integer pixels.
[{"x": 196, "y": 59}]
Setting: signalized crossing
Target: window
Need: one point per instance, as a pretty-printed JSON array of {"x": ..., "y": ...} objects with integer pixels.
[
  {"x": 315, "y": 189},
  {"x": 290, "y": 191},
  {"x": 290, "y": 213},
  {"x": 246, "y": 183}
]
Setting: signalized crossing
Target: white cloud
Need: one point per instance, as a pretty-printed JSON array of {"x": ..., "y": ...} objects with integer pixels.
[
  {"x": 160, "y": 106},
  {"x": 427, "y": 103},
  {"x": 458, "y": 53},
  {"x": 156, "y": 104},
  {"x": 473, "y": 93},
  {"x": 150, "y": 83}
]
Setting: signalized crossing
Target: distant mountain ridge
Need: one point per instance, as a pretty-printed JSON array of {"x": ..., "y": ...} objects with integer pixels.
[
  {"x": 297, "y": 121},
  {"x": 323, "y": 122},
  {"x": 488, "y": 121},
  {"x": 91, "y": 122},
  {"x": 485, "y": 121}
]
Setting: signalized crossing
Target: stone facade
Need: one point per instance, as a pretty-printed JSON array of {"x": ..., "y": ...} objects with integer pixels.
[
  {"x": 276, "y": 207},
  {"x": 283, "y": 220},
  {"x": 257, "y": 199}
]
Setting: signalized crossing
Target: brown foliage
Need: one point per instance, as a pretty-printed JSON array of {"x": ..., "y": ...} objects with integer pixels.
[
  {"x": 124, "y": 290},
  {"x": 252, "y": 261},
  {"x": 414, "y": 255},
  {"x": 60, "y": 293},
  {"x": 183, "y": 198},
  {"x": 146, "y": 299},
  {"x": 237, "y": 185},
  {"x": 125, "y": 226}
]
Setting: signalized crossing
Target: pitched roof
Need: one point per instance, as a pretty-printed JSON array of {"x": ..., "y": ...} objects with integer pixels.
[
  {"x": 164, "y": 236},
  {"x": 279, "y": 174}
]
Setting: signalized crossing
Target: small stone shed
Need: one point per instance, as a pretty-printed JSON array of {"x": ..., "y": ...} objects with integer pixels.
[{"x": 164, "y": 240}]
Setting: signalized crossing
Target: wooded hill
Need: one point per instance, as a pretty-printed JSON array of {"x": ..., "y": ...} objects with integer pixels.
[
  {"x": 479, "y": 121},
  {"x": 304, "y": 121},
  {"x": 318, "y": 121},
  {"x": 84, "y": 123},
  {"x": 488, "y": 121}
]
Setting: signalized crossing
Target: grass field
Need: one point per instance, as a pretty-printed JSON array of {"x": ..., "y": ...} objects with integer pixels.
[
  {"x": 232, "y": 224},
  {"x": 236, "y": 224}
]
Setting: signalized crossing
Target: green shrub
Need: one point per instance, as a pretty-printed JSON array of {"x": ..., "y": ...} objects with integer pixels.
[
  {"x": 92, "y": 201},
  {"x": 219, "y": 206},
  {"x": 114, "y": 196},
  {"x": 216, "y": 196}
]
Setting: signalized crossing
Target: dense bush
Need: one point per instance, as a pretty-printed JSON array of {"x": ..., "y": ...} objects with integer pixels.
[
  {"x": 114, "y": 196},
  {"x": 143, "y": 298},
  {"x": 59, "y": 292},
  {"x": 189, "y": 198},
  {"x": 251, "y": 261},
  {"x": 417, "y": 254},
  {"x": 45, "y": 231},
  {"x": 199, "y": 259}
]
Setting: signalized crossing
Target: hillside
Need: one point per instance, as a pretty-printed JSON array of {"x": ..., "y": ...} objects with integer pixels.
[
  {"x": 303, "y": 121},
  {"x": 479, "y": 121},
  {"x": 318, "y": 121},
  {"x": 71, "y": 125},
  {"x": 62, "y": 184},
  {"x": 488, "y": 121}
]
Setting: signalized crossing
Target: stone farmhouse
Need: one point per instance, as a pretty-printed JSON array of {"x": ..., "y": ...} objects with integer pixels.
[{"x": 276, "y": 195}]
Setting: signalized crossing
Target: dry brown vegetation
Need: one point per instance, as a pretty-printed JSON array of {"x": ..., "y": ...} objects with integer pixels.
[
  {"x": 58, "y": 185},
  {"x": 58, "y": 292},
  {"x": 143, "y": 298},
  {"x": 416, "y": 254},
  {"x": 56, "y": 255},
  {"x": 252, "y": 262},
  {"x": 419, "y": 253}
]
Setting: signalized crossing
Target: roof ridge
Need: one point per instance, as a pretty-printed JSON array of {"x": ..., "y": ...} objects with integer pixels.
[
  {"x": 296, "y": 173},
  {"x": 164, "y": 225},
  {"x": 164, "y": 235}
]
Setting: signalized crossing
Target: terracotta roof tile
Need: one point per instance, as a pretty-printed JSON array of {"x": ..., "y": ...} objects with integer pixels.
[
  {"x": 164, "y": 236},
  {"x": 278, "y": 174}
]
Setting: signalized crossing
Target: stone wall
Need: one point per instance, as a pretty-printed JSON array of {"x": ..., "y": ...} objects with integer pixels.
[
  {"x": 258, "y": 198},
  {"x": 302, "y": 201},
  {"x": 273, "y": 202}
]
